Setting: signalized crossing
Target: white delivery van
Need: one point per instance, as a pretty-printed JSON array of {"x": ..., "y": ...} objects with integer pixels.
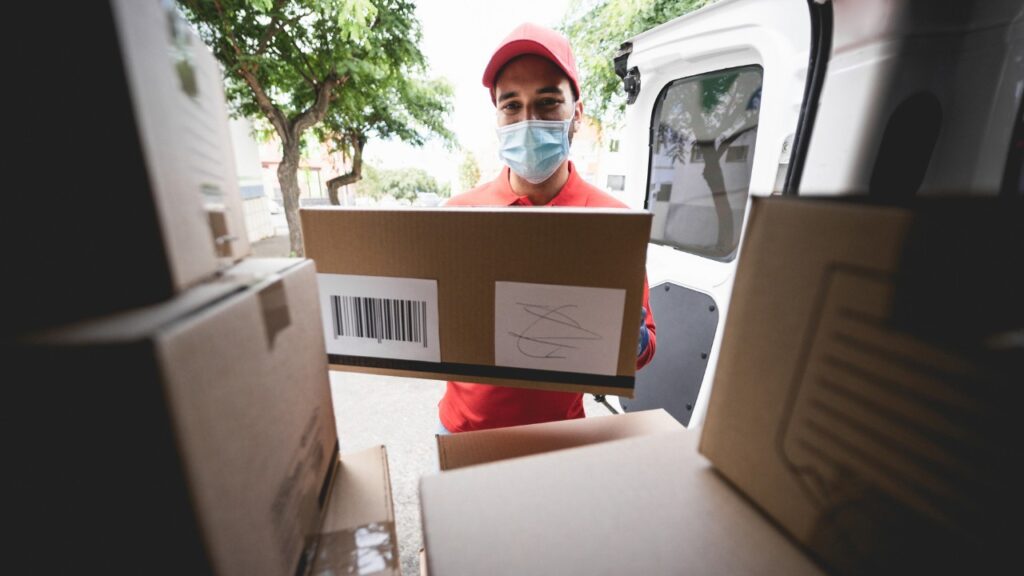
[{"x": 751, "y": 98}]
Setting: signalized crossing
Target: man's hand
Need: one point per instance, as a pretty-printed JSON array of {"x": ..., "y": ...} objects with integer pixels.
[{"x": 645, "y": 337}]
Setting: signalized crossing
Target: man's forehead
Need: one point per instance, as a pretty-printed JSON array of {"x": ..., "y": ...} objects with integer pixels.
[{"x": 531, "y": 69}]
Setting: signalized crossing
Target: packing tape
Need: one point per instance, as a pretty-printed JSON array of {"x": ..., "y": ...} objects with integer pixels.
[
  {"x": 366, "y": 549},
  {"x": 274, "y": 304}
]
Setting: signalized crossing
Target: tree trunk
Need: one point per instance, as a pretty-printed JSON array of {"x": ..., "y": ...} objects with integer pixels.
[
  {"x": 288, "y": 178},
  {"x": 290, "y": 131},
  {"x": 351, "y": 177},
  {"x": 719, "y": 196}
]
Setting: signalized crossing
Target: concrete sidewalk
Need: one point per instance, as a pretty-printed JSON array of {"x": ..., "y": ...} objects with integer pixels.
[{"x": 272, "y": 247}]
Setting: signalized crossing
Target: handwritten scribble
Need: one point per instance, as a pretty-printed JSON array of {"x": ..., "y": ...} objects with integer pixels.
[{"x": 552, "y": 331}]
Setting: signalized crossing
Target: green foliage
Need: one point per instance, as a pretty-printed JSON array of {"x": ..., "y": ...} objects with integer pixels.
[
  {"x": 347, "y": 69},
  {"x": 292, "y": 46},
  {"x": 596, "y": 29},
  {"x": 393, "y": 98},
  {"x": 401, "y": 184},
  {"x": 469, "y": 172},
  {"x": 289, "y": 47}
]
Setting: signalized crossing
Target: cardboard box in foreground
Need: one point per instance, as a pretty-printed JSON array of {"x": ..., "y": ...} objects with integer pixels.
[
  {"x": 857, "y": 398},
  {"x": 541, "y": 298},
  {"x": 192, "y": 437},
  {"x": 647, "y": 504}
]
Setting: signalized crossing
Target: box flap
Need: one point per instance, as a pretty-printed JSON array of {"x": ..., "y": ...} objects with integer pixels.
[
  {"x": 358, "y": 532},
  {"x": 482, "y": 446},
  {"x": 644, "y": 505}
]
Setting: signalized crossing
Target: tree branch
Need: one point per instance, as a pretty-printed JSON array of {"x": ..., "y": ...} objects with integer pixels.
[
  {"x": 353, "y": 175},
  {"x": 271, "y": 30},
  {"x": 316, "y": 112},
  {"x": 272, "y": 112},
  {"x": 230, "y": 35}
]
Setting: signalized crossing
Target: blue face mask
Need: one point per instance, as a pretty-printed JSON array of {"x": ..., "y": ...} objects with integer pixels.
[{"x": 534, "y": 149}]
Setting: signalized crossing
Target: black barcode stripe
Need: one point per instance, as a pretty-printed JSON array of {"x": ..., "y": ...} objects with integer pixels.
[
  {"x": 424, "y": 311},
  {"x": 379, "y": 318}
]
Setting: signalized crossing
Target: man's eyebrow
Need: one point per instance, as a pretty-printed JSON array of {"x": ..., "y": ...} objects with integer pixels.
[
  {"x": 549, "y": 90},
  {"x": 541, "y": 90}
]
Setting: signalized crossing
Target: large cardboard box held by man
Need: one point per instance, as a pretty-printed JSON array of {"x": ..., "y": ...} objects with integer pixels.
[
  {"x": 867, "y": 389},
  {"x": 542, "y": 297},
  {"x": 192, "y": 437}
]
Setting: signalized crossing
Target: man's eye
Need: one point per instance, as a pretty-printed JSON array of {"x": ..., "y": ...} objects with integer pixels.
[{"x": 511, "y": 106}]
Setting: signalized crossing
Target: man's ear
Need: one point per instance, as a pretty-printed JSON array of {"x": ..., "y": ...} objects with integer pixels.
[{"x": 577, "y": 116}]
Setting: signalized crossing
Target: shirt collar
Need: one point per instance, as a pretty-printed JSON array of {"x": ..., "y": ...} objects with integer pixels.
[{"x": 500, "y": 192}]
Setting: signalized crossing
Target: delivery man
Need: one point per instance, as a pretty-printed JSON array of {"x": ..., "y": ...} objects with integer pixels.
[{"x": 533, "y": 83}]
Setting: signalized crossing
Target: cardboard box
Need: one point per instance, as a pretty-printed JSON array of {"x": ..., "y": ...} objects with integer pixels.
[
  {"x": 483, "y": 446},
  {"x": 862, "y": 397},
  {"x": 214, "y": 157},
  {"x": 358, "y": 532},
  {"x": 119, "y": 220},
  {"x": 541, "y": 298},
  {"x": 643, "y": 505},
  {"x": 191, "y": 437}
]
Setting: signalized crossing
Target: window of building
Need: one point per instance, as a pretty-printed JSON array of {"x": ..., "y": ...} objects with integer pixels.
[{"x": 616, "y": 182}]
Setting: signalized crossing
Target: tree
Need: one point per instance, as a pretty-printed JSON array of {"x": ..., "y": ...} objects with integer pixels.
[
  {"x": 299, "y": 62},
  {"x": 396, "y": 104},
  {"x": 401, "y": 184},
  {"x": 469, "y": 172},
  {"x": 596, "y": 29},
  {"x": 394, "y": 101}
]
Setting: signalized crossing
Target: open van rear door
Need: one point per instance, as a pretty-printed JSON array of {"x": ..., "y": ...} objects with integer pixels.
[
  {"x": 716, "y": 97},
  {"x": 879, "y": 99}
]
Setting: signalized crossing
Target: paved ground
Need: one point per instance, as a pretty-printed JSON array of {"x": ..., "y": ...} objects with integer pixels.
[{"x": 399, "y": 413}]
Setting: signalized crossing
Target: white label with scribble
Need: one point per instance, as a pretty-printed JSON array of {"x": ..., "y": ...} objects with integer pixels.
[{"x": 563, "y": 328}]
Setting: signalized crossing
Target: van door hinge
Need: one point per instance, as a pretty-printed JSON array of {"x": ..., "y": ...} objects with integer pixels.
[{"x": 631, "y": 76}]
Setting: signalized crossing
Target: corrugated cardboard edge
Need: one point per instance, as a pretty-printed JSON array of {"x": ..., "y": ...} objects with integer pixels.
[{"x": 484, "y": 446}]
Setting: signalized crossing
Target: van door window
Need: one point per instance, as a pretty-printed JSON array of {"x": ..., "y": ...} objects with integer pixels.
[{"x": 702, "y": 150}]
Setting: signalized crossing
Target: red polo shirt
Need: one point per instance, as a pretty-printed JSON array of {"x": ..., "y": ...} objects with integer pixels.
[{"x": 467, "y": 406}]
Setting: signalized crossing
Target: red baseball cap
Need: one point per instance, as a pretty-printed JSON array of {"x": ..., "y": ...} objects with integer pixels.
[{"x": 533, "y": 39}]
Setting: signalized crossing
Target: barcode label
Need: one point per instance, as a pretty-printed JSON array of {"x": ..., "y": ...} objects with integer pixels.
[{"x": 380, "y": 318}]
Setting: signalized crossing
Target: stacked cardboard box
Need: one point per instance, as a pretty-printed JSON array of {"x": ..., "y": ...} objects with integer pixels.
[{"x": 175, "y": 388}]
